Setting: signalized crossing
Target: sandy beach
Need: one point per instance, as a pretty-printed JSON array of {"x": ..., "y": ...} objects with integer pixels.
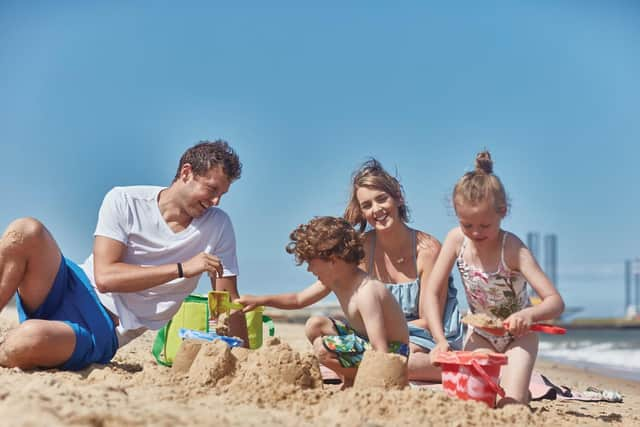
[{"x": 277, "y": 385}]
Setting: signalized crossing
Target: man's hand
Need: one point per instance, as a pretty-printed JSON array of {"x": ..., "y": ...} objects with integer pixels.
[{"x": 201, "y": 263}]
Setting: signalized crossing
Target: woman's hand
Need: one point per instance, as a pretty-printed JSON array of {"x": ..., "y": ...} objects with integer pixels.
[{"x": 441, "y": 347}]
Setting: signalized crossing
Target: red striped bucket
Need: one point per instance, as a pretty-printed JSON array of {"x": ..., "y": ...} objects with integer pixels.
[{"x": 470, "y": 375}]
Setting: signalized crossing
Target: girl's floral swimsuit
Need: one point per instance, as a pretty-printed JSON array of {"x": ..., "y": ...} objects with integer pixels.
[{"x": 498, "y": 294}]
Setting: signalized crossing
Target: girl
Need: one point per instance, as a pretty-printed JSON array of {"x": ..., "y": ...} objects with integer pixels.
[
  {"x": 495, "y": 267},
  {"x": 403, "y": 258}
]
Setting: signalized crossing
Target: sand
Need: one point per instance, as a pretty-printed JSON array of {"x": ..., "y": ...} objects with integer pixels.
[
  {"x": 277, "y": 385},
  {"x": 382, "y": 370},
  {"x": 482, "y": 320}
]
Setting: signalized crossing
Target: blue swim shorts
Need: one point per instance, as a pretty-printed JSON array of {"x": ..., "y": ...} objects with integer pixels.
[{"x": 73, "y": 300}]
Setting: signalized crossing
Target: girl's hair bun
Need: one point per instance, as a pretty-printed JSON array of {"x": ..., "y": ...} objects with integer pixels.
[{"x": 484, "y": 163}]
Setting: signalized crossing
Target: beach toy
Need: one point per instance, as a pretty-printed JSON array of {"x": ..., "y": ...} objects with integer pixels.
[
  {"x": 193, "y": 334},
  {"x": 255, "y": 320},
  {"x": 497, "y": 326},
  {"x": 220, "y": 307},
  {"x": 470, "y": 375},
  {"x": 193, "y": 314},
  {"x": 220, "y": 302},
  {"x": 537, "y": 327}
]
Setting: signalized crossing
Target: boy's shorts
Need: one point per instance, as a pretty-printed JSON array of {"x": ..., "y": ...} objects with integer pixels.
[
  {"x": 73, "y": 300},
  {"x": 350, "y": 347}
]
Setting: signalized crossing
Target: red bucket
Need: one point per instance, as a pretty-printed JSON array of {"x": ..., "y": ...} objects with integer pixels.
[{"x": 471, "y": 375}]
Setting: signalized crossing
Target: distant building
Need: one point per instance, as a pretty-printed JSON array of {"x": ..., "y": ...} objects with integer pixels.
[
  {"x": 627, "y": 287},
  {"x": 533, "y": 243},
  {"x": 631, "y": 292},
  {"x": 551, "y": 257},
  {"x": 637, "y": 276}
]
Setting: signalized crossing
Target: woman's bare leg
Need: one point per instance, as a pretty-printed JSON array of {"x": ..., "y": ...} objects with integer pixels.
[{"x": 420, "y": 366}]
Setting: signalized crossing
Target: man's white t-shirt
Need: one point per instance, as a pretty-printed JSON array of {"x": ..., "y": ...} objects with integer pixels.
[{"x": 131, "y": 215}]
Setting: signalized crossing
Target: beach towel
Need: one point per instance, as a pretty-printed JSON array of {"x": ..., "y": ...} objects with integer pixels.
[
  {"x": 329, "y": 376},
  {"x": 541, "y": 387},
  {"x": 426, "y": 385}
]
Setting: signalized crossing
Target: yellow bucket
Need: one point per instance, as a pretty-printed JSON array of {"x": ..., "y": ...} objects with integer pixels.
[{"x": 220, "y": 302}]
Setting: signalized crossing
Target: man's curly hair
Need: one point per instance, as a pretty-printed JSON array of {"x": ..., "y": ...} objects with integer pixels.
[
  {"x": 323, "y": 237},
  {"x": 206, "y": 154}
]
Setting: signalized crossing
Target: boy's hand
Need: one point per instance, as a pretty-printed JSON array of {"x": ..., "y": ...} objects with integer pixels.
[
  {"x": 441, "y": 347},
  {"x": 250, "y": 302},
  {"x": 518, "y": 323}
]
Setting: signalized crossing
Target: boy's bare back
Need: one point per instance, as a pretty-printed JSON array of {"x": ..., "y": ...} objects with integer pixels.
[{"x": 373, "y": 312}]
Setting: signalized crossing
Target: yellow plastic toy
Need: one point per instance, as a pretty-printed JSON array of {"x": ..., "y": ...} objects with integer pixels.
[{"x": 220, "y": 307}]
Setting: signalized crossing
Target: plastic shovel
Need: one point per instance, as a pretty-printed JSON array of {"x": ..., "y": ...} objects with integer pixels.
[
  {"x": 536, "y": 327},
  {"x": 220, "y": 302}
]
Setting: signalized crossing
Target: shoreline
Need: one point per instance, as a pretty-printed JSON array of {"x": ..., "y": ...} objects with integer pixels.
[{"x": 594, "y": 368}]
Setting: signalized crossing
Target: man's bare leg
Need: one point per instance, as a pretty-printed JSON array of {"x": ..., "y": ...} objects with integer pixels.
[
  {"x": 29, "y": 262},
  {"x": 37, "y": 344}
]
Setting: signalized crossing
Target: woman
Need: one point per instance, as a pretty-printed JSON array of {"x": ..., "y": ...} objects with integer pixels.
[{"x": 402, "y": 258}]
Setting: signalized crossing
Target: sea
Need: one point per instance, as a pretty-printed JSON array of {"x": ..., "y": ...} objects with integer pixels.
[{"x": 611, "y": 351}]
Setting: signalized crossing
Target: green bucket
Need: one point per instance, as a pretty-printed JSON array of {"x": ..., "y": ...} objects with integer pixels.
[{"x": 255, "y": 321}]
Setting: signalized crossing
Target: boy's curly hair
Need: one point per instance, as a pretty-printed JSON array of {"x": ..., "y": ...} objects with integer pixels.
[{"x": 323, "y": 237}]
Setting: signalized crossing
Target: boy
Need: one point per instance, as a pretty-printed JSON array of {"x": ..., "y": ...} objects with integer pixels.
[{"x": 333, "y": 251}]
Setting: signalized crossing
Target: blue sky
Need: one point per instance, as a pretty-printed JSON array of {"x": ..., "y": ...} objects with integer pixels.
[{"x": 99, "y": 94}]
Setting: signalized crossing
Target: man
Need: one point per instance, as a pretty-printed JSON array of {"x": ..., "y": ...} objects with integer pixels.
[{"x": 151, "y": 246}]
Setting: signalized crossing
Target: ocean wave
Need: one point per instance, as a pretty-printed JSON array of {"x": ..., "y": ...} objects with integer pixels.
[
  {"x": 604, "y": 354},
  {"x": 587, "y": 344}
]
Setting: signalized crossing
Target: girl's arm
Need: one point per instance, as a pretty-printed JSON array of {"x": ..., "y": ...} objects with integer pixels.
[
  {"x": 551, "y": 306},
  {"x": 437, "y": 283},
  {"x": 288, "y": 301},
  {"x": 427, "y": 255}
]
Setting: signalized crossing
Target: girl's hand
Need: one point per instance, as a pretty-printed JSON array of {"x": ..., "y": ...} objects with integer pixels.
[
  {"x": 518, "y": 323},
  {"x": 441, "y": 347},
  {"x": 250, "y": 302}
]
